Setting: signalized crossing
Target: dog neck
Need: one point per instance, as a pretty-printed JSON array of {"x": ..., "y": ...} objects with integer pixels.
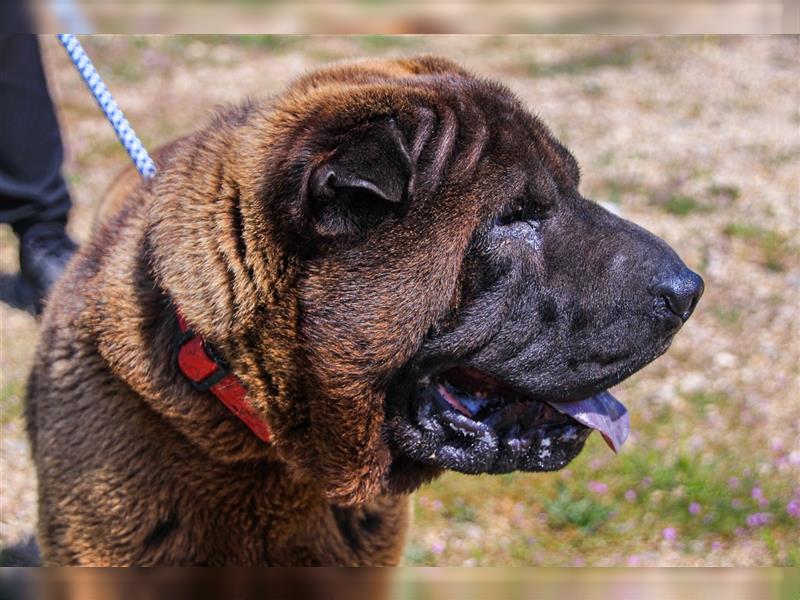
[{"x": 207, "y": 372}]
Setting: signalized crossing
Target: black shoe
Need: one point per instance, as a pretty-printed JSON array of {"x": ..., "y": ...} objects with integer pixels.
[{"x": 44, "y": 251}]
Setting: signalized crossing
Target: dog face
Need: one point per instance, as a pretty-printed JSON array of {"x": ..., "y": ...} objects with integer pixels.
[
  {"x": 560, "y": 300},
  {"x": 459, "y": 304}
]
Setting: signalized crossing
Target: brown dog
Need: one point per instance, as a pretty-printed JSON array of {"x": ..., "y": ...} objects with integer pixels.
[{"x": 394, "y": 263}]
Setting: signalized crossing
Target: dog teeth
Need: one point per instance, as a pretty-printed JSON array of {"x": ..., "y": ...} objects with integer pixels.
[
  {"x": 569, "y": 435},
  {"x": 474, "y": 404}
]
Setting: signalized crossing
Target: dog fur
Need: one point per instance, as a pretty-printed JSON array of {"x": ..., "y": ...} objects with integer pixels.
[{"x": 315, "y": 309}]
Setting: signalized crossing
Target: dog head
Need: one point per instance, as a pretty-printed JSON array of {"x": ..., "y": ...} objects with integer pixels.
[{"x": 457, "y": 303}]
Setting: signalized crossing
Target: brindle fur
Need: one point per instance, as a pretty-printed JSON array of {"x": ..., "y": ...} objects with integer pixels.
[{"x": 134, "y": 465}]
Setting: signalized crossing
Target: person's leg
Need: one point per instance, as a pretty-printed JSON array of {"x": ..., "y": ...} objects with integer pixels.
[
  {"x": 33, "y": 194},
  {"x": 32, "y": 189}
]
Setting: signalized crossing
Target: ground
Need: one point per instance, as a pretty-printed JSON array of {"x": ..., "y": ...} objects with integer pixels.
[{"x": 697, "y": 139}]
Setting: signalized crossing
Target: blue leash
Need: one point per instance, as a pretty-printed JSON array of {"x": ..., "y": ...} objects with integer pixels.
[{"x": 125, "y": 133}]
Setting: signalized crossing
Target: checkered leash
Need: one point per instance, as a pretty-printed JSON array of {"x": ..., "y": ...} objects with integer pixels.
[{"x": 131, "y": 143}]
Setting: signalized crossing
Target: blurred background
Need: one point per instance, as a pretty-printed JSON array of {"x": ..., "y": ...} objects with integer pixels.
[
  {"x": 415, "y": 16},
  {"x": 694, "y": 138}
]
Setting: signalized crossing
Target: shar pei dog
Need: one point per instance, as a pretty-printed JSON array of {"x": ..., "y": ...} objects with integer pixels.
[{"x": 322, "y": 301}]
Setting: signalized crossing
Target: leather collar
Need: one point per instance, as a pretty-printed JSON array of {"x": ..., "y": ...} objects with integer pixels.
[{"x": 207, "y": 372}]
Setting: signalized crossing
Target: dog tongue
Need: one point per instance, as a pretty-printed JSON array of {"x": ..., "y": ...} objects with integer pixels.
[{"x": 602, "y": 412}]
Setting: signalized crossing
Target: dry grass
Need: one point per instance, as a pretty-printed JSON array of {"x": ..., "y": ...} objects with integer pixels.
[{"x": 698, "y": 140}]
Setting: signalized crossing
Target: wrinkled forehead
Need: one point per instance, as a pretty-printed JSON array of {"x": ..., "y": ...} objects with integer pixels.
[
  {"x": 463, "y": 134},
  {"x": 474, "y": 128}
]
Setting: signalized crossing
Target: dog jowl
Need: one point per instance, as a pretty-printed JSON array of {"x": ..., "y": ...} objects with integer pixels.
[{"x": 395, "y": 261}]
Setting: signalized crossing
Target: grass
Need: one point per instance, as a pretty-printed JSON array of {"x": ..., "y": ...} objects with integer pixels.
[
  {"x": 416, "y": 554},
  {"x": 617, "y": 189},
  {"x": 675, "y": 485},
  {"x": 702, "y": 399},
  {"x": 461, "y": 512},
  {"x": 620, "y": 56},
  {"x": 725, "y": 191},
  {"x": 585, "y": 513},
  {"x": 260, "y": 42},
  {"x": 774, "y": 247},
  {"x": 643, "y": 495},
  {"x": 682, "y": 205},
  {"x": 380, "y": 43},
  {"x": 726, "y": 315},
  {"x": 11, "y": 394}
]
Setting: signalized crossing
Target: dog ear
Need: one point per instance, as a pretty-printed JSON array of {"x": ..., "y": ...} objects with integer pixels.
[{"x": 367, "y": 178}]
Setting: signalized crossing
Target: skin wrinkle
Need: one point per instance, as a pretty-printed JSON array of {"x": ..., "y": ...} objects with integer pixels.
[
  {"x": 444, "y": 148},
  {"x": 480, "y": 133},
  {"x": 426, "y": 121},
  {"x": 225, "y": 258},
  {"x": 246, "y": 294},
  {"x": 237, "y": 226}
]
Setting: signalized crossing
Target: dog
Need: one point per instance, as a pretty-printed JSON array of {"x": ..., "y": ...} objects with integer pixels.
[{"x": 322, "y": 301}]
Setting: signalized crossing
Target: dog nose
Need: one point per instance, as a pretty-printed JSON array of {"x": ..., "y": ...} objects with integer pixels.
[{"x": 681, "y": 292}]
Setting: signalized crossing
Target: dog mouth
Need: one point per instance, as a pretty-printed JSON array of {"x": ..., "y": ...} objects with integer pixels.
[{"x": 466, "y": 420}]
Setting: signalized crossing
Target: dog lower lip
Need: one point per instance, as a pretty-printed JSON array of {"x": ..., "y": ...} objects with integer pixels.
[
  {"x": 481, "y": 397},
  {"x": 507, "y": 433},
  {"x": 466, "y": 420}
]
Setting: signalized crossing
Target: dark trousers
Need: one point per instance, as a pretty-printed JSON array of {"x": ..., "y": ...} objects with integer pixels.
[{"x": 32, "y": 189}]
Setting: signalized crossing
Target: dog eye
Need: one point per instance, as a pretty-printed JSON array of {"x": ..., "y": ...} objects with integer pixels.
[{"x": 522, "y": 209}]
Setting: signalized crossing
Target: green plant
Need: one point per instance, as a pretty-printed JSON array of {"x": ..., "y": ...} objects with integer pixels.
[
  {"x": 584, "y": 513},
  {"x": 681, "y": 206},
  {"x": 774, "y": 246}
]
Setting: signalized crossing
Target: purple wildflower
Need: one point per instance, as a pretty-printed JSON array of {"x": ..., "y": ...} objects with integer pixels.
[
  {"x": 634, "y": 560},
  {"x": 758, "y": 519},
  {"x": 670, "y": 534},
  {"x": 646, "y": 481},
  {"x": 758, "y": 495},
  {"x": 716, "y": 546},
  {"x": 437, "y": 505},
  {"x": 793, "y": 508},
  {"x": 694, "y": 508},
  {"x": 733, "y": 482},
  {"x": 437, "y": 547},
  {"x": 630, "y": 496},
  {"x": 598, "y": 487},
  {"x": 737, "y": 503}
]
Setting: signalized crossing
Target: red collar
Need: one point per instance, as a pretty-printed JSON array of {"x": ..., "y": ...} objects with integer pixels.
[{"x": 209, "y": 373}]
